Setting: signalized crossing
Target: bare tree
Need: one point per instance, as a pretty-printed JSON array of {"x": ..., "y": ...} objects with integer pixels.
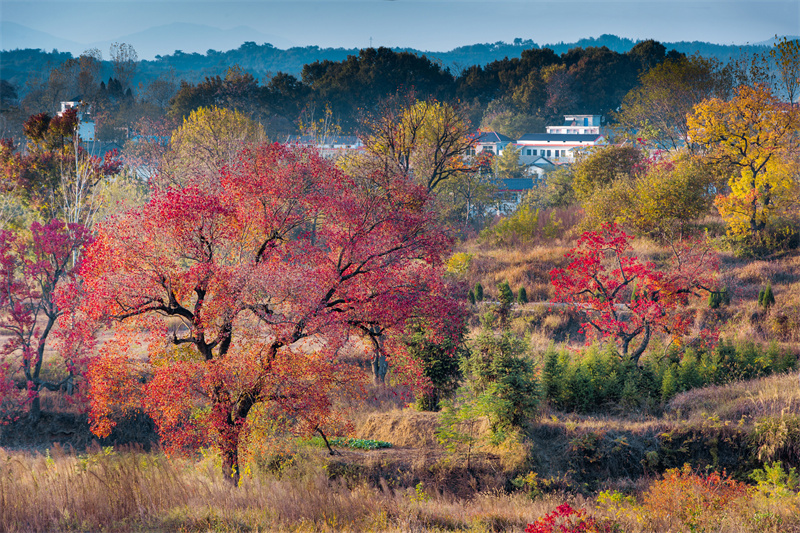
[{"x": 124, "y": 62}]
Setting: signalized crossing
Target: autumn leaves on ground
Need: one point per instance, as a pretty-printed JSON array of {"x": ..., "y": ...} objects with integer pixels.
[{"x": 260, "y": 338}]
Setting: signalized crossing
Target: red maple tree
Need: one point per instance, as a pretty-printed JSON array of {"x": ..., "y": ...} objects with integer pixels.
[
  {"x": 624, "y": 298},
  {"x": 235, "y": 305},
  {"x": 31, "y": 272}
]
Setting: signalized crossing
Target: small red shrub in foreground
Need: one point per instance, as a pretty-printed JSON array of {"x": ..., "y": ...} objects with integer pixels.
[{"x": 565, "y": 519}]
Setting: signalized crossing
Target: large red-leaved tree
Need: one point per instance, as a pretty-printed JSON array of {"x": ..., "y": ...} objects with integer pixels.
[
  {"x": 32, "y": 270},
  {"x": 236, "y": 304},
  {"x": 626, "y": 299}
]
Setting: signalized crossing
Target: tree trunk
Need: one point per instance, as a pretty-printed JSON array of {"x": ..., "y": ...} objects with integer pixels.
[
  {"x": 379, "y": 364},
  {"x": 230, "y": 465},
  {"x": 222, "y": 418},
  {"x": 35, "y": 410}
]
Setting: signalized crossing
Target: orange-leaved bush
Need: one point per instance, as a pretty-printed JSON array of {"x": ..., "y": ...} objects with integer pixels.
[
  {"x": 239, "y": 299},
  {"x": 685, "y": 499}
]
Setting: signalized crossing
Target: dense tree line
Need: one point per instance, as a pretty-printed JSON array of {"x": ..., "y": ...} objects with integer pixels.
[{"x": 279, "y": 87}]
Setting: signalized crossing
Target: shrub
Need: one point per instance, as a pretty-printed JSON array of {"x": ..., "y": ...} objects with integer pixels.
[
  {"x": 595, "y": 379},
  {"x": 778, "y": 437},
  {"x": 521, "y": 226},
  {"x": 565, "y": 519},
  {"x": 774, "y": 481},
  {"x": 765, "y": 297},
  {"x": 439, "y": 358},
  {"x": 459, "y": 263},
  {"x": 716, "y": 299},
  {"x": 503, "y": 379},
  {"x": 506, "y": 299},
  {"x": 471, "y": 297},
  {"x": 479, "y": 292},
  {"x": 685, "y": 500},
  {"x": 522, "y": 296}
]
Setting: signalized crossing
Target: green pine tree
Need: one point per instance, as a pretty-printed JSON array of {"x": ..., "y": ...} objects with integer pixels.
[
  {"x": 522, "y": 296},
  {"x": 765, "y": 297},
  {"x": 479, "y": 292}
]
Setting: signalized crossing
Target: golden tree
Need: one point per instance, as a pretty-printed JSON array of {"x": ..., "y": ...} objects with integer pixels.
[
  {"x": 425, "y": 139},
  {"x": 209, "y": 140},
  {"x": 755, "y": 135}
]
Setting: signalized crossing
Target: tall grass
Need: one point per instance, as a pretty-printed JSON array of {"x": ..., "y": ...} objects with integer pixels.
[{"x": 130, "y": 490}]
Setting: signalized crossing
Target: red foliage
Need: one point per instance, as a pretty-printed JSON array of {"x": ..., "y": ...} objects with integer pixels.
[
  {"x": 624, "y": 298},
  {"x": 565, "y": 519},
  {"x": 263, "y": 282},
  {"x": 30, "y": 274}
]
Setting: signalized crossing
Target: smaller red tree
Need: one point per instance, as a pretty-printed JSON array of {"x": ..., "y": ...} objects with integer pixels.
[
  {"x": 30, "y": 274},
  {"x": 624, "y": 298}
]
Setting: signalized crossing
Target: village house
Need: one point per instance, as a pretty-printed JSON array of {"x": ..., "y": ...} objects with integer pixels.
[
  {"x": 86, "y": 129},
  {"x": 329, "y": 146},
  {"x": 490, "y": 142},
  {"x": 561, "y": 143}
]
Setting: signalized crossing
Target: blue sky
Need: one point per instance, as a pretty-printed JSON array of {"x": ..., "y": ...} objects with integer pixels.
[{"x": 423, "y": 24}]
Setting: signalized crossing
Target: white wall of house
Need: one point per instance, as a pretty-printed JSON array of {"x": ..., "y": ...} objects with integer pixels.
[
  {"x": 578, "y": 125},
  {"x": 554, "y": 149}
]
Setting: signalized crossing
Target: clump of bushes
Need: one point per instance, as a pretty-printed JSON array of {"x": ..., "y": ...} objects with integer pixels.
[{"x": 596, "y": 379}]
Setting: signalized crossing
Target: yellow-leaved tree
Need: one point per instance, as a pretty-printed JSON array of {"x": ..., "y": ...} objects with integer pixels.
[
  {"x": 209, "y": 139},
  {"x": 755, "y": 135},
  {"x": 426, "y": 139}
]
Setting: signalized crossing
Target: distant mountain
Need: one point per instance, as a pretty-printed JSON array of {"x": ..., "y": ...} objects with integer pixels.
[
  {"x": 15, "y": 36},
  {"x": 165, "y": 39},
  {"x": 771, "y": 42},
  {"x": 192, "y": 38}
]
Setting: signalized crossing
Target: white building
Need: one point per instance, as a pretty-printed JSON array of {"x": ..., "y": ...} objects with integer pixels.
[
  {"x": 85, "y": 121},
  {"x": 330, "y": 146},
  {"x": 578, "y": 125},
  {"x": 557, "y": 147},
  {"x": 561, "y": 143},
  {"x": 490, "y": 142}
]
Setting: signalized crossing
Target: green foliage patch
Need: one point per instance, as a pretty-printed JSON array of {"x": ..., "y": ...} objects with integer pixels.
[
  {"x": 350, "y": 442},
  {"x": 598, "y": 379}
]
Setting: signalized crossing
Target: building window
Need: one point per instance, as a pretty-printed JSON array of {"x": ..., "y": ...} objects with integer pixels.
[
  {"x": 548, "y": 153},
  {"x": 557, "y": 153},
  {"x": 528, "y": 151},
  {"x": 535, "y": 152}
]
